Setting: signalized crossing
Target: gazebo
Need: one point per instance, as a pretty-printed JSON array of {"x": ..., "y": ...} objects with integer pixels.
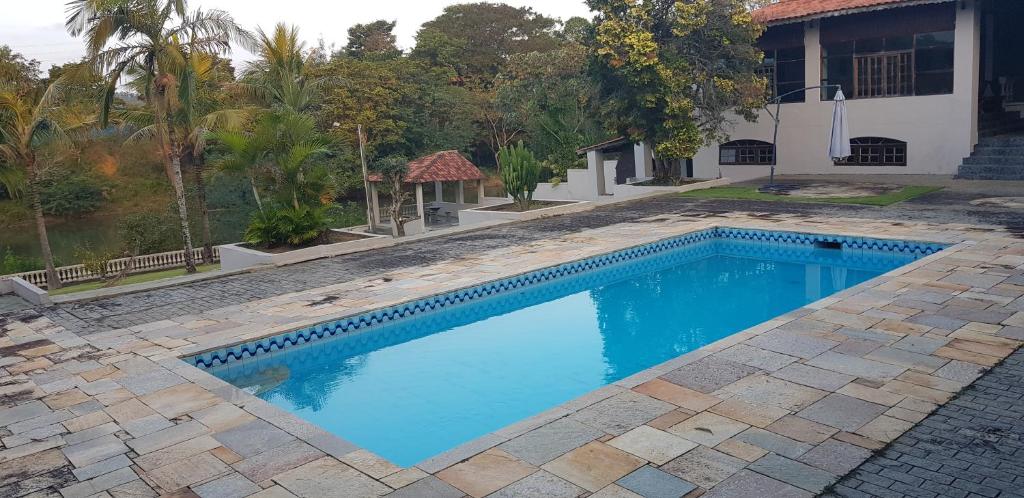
[{"x": 439, "y": 168}]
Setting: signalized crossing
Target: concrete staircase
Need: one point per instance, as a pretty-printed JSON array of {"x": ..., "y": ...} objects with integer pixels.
[{"x": 999, "y": 154}]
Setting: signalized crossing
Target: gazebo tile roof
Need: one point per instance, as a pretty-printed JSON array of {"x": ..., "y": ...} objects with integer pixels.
[{"x": 444, "y": 166}]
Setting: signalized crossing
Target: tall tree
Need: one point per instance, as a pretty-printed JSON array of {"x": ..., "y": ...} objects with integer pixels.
[
  {"x": 207, "y": 110},
  {"x": 33, "y": 136},
  {"x": 375, "y": 41},
  {"x": 279, "y": 77},
  {"x": 16, "y": 71},
  {"x": 477, "y": 39},
  {"x": 671, "y": 70},
  {"x": 556, "y": 99},
  {"x": 154, "y": 38}
]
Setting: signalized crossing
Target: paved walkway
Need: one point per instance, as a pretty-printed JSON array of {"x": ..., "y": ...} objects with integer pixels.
[
  {"x": 782, "y": 409},
  {"x": 972, "y": 446}
]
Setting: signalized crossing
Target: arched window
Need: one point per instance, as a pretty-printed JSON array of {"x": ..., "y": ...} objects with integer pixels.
[
  {"x": 745, "y": 152},
  {"x": 876, "y": 151}
]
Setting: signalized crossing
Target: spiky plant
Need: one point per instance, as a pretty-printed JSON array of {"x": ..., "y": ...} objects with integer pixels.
[{"x": 520, "y": 172}]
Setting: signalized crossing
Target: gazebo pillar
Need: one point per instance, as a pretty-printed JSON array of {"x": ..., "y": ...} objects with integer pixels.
[
  {"x": 480, "y": 191},
  {"x": 419, "y": 203},
  {"x": 460, "y": 195},
  {"x": 375, "y": 202},
  {"x": 438, "y": 192}
]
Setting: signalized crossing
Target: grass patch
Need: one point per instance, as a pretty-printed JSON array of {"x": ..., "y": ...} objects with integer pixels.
[
  {"x": 751, "y": 194},
  {"x": 138, "y": 278}
]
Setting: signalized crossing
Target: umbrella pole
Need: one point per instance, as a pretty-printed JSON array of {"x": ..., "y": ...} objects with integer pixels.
[
  {"x": 777, "y": 117},
  {"x": 775, "y": 141}
]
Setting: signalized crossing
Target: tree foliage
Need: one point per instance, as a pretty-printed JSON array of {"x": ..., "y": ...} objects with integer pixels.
[
  {"x": 672, "y": 70},
  {"x": 16, "y": 71},
  {"x": 392, "y": 170},
  {"x": 556, "y": 101},
  {"x": 372, "y": 41},
  {"x": 477, "y": 39}
]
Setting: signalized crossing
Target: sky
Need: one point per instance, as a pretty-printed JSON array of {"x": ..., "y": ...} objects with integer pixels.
[{"x": 35, "y": 28}]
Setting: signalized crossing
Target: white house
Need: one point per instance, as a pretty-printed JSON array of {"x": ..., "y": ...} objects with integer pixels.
[
  {"x": 924, "y": 80},
  {"x": 931, "y": 87}
]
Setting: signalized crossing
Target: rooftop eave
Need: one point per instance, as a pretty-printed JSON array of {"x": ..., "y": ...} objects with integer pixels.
[{"x": 856, "y": 10}]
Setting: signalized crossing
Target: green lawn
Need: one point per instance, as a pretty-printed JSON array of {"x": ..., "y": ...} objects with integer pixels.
[
  {"x": 138, "y": 278},
  {"x": 751, "y": 193}
]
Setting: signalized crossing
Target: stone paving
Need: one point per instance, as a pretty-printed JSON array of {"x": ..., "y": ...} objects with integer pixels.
[
  {"x": 782, "y": 409},
  {"x": 971, "y": 446},
  {"x": 947, "y": 206}
]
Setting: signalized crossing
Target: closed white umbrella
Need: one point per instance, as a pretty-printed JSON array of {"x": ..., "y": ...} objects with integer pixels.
[{"x": 839, "y": 146}]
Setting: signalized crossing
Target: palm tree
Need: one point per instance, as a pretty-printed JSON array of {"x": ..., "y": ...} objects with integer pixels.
[
  {"x": 32, "y": 136},
  {"x": 193, "y": 118},
  {"x": 278, "y": 78},
  {"x": 281, "y": 148},
  {"x": 153, "y": 38}
]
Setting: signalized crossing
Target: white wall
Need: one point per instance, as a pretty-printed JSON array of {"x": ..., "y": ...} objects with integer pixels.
[{"x": 940, "y": 130}]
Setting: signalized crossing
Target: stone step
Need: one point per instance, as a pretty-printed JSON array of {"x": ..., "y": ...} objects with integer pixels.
[
  {"x": 1008, "y": 178},
  {"x": 998, "y": 115},
  {"x": 1017, "y": 161},
  {"x": 996, "y": 150},
  {"x": 1003, "y": 141},
  {"x": 990, "y": 172},
  {"x": 1010, "y": 129}
]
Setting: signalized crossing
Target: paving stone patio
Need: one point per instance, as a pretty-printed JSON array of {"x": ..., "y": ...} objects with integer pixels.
[{"x": 782, "y": 409}]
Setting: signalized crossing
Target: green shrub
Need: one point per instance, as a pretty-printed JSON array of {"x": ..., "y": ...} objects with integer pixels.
[
  {"x": 95, "y": 261},
  {"x": 345, "y": 215},
  {"x": 520, "y": 172},
  {"x": 71, "y": 194},
  {"x": 275, "y": 227},
  {"x": 12, "y": 263},
  {"x": 148, "y": 233}
]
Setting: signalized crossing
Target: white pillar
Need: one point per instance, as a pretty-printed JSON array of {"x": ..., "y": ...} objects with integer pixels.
[
  {"x": 643, "y": 160},
  {"x": 438, "y": 192},
  {"x": 480, "y": 191},
  {"x": 812, "y": 61},
  {"x": 967, "y": 68},
  {"x": 460, "y": 194},
  {"x": 375, "y": 199},
  {"x": 419, "y": 202},
  {"x": 595, "y": 168}
]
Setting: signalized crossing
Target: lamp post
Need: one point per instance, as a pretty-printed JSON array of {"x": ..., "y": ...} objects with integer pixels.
[{"x": 777, "y": 116}]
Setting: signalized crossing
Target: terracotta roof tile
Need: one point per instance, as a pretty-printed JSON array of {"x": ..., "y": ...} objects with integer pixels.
[
  {"x": 444, "y": 166},
  {"x": 790, "y": 10}
]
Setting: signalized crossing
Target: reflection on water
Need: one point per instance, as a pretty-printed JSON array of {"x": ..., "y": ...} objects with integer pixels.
[{"x": 418, "y": 386}]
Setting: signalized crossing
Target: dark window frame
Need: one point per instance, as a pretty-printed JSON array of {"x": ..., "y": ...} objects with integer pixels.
[
  {"x": 747, "y": 153},
  {"x": 909, "y": 83},
  {"x": 876, "y": 151},
  {"x": 773, "y": 57}
]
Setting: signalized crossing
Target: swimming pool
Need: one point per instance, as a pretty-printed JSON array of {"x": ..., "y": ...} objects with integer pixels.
[{"x": 414, "y": 380}]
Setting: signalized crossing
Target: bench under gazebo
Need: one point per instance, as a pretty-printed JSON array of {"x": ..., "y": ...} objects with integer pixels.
[{"x": 438, "y": 169}]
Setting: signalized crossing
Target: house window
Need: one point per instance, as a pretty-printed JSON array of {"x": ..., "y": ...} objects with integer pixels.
[
  {"x": 876, "y": 151},
  {"x": 784, "y": 70},
  {"x": 891, "y": 66},
  {"x": 745, "y": 152}
]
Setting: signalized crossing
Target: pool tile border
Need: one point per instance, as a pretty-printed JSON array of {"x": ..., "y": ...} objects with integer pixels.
[{"x": 364, "y": 321}]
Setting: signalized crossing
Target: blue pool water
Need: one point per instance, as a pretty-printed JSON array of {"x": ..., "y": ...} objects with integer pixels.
[{"x": 413, "y": 387}]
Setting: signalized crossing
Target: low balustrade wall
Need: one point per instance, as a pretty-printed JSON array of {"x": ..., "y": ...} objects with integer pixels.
[{"x": 143, "y": 263}]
